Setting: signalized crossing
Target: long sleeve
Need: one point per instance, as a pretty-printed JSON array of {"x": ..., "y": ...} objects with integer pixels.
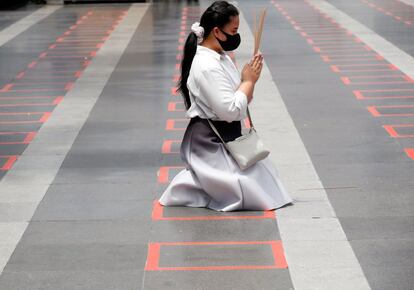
[{"x": 227, "y": 104}]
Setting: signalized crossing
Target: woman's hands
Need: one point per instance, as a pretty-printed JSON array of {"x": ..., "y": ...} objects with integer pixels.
[
  {"x": 250, "y": 74},
  {"x": 251, "y": 71}
]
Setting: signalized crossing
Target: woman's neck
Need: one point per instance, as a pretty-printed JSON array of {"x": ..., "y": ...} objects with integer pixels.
[{"x": 212, "y": 45}]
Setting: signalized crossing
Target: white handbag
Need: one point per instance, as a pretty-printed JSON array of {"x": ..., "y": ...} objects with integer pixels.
[{"x": 246, "y": 149}]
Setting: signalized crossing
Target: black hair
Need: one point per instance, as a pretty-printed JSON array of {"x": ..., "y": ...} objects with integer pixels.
[{"x": 217, "y": 15}]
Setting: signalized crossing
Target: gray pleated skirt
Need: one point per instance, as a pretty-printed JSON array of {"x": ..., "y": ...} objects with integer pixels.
[{"x": 212, "y": 178}]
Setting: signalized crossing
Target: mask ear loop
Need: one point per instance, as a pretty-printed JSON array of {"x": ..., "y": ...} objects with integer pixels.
[{"x": 225, "y": 34}]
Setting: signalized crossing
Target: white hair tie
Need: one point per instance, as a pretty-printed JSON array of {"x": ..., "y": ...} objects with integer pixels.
[{"x": 198, "y": 30}]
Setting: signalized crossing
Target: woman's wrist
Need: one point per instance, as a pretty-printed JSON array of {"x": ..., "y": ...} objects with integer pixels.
[
  {"x": 248, "y": 82},
  {"x": 247, "y": 88}
]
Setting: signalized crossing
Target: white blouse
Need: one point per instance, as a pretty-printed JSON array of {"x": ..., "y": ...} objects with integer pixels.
[{"x": 213, "y": 87}]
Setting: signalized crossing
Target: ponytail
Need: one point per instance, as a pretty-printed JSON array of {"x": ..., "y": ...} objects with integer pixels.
[
  {"x": 190, "y": 49},
  {"x": 217, "y": 14}
]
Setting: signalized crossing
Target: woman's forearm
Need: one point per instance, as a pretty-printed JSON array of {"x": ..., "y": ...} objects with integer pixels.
[{"x": 247, "y": 87}]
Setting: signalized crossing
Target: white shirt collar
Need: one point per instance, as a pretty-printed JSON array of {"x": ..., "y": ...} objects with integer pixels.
[{"x": 203, "y": 49}]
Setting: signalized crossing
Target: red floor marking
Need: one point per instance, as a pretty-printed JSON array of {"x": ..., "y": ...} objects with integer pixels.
[
  {"x": 171, "y": 124},
  {"x": 29, "y": 137},
  {"x": 66, "y": 71},
  {"x": 27, "y": 97},
  {"x": 49, "y": 77},
  {"x": 361, "y": 94},
  {"x": 76, "y": 42},
  {"x": 67, "y": 56},
  {"x": 153, "y": 256},
  {"x": 409, "y": 152},
  {"x": 328, "y": 37},
  {"x": 331, "y": 32},
  {"x": 73, "y": 65},
  {"x": 349, "y": 81},
  {"x": 22, "y": 113},
  {"x": 39, "y": 90},
  {"x": 322, "y": 32},
  {"x": 11, "y": 159},
  {"x": 158, "y": 214},
  {"x": 338, "y": 68},
  {"x": 69, "y": 86},
  {"x": 339, "y": 46},
  {"x": 345, "y": 61},
  {"x": 350, "y": 57},
  {"x": 393, "y": 133},
  {"x": 374, "y": 111},
  {"x": 410, "y": 80},
  {"x": 164, "y": 176},
  {"x": 319, "y": 43},
  {"x": 345, "y": 53},
  {"x": 22, "y": 84},
  {"x": 45, "y": 116},
  {"x": 172, "y": 107},
  {"x": 384, "y": 11},
  {"x": 166, "y": 147},
  {"x": 345, "y": 80},
  {"x": 279, "y": 254},
  {"x": 176, "y": 78},
  {"x": 92, "y": 32},
  {"x": 70, "y": 50},
  {"x": 79, "y": 45},
  {"x": 7, "y": 88},
  {"x": 363, "y": 66},
  {"x": 56, "y": 101},
  {"x": 328, "y": 50},
  {"x": 174, "y": 91},
  {"x": 32, "y": 64}
]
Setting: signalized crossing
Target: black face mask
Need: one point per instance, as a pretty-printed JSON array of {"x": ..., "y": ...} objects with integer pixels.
[{"x": 231, "y": 43}]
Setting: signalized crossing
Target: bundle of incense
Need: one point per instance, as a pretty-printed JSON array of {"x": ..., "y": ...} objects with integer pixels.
[{"x": 258, "y": 29}]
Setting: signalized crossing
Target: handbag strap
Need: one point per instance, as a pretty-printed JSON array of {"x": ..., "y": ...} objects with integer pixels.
[
  {"x": 250, "y": 118},
  {"x": 218, "y": 134},
  {"x": 215, "y": 131}
]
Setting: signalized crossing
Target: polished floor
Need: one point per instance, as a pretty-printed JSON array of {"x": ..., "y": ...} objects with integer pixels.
[{"x": 90, "y": 128}]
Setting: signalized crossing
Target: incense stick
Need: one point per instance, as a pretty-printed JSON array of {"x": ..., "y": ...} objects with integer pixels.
[
  {"x": 255, "y": 29},
  {"x": 258, "y": 32}
]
